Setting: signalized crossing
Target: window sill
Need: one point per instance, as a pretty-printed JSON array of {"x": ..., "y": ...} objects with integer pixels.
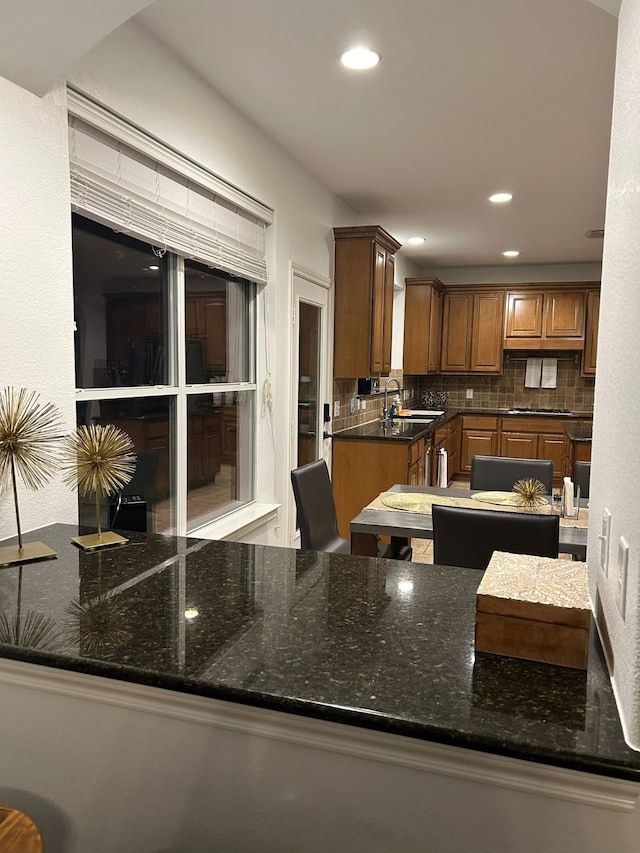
[{"x": 242, "y": 521}]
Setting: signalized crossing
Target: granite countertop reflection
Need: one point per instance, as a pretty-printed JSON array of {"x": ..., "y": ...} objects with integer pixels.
[{"x": 379, "y": 644}]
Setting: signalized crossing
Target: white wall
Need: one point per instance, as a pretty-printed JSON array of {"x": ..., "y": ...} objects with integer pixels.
[
  {"x": 111, "y": 768},
  {"x": 516, "y": 273},
  {"x": 36, "y": 298},
  {"x": 616, "y": 427},
  {"x": 134, "y": 75}
]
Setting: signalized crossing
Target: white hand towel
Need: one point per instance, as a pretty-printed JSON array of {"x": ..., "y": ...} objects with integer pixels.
[
  {"x": 443, "y": 474},
  {"x": 532, "y": 373},
  {"x": 549, "y": 373}
]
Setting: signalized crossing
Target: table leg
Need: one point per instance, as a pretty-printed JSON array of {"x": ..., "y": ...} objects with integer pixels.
[{"x": 364, "y": 544}]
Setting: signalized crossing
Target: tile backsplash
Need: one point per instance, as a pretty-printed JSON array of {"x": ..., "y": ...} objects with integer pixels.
[{"x": 573, "y": 392}]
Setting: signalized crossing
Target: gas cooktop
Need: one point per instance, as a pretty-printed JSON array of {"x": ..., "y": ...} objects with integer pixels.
[{"x": 532, "y": 411}]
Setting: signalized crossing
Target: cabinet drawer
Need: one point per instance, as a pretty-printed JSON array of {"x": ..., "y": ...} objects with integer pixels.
[
  {"x": 542, "y": 424},
  {"x": 479, "y": 422},
  {"x": 416, "y": 451}
]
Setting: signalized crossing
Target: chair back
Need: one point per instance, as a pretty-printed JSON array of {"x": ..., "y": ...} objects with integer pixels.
[
  {"x": 468, "y": 537},
  {"x": 317, "y": 509},
  {"x": 581, "y": 477},
  {"x": 500, "y": 473}
]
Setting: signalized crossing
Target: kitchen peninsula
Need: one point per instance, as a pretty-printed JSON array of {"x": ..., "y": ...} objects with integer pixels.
[
  {"x": 307, "y": 690},
  {"x": 373, "y": 456}
]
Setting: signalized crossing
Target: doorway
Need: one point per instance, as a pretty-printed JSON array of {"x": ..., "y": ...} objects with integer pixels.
[{"x": 310, "y": 376}]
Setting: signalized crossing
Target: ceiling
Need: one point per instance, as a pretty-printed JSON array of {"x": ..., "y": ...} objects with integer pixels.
[{"x": 471, "y": 97}]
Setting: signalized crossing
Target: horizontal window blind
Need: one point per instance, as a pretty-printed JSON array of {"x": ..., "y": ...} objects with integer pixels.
[{"x": 136, "y": 194}]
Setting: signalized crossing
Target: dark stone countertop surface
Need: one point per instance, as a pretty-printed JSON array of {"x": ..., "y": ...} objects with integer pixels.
[
  {"x": 378, "y": 644},
  {"x": 578, "y": 431},
  {"x": 404, "y": 429}
]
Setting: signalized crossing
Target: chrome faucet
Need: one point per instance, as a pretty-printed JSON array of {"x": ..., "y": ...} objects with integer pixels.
[{"x": 385, "y": 408}]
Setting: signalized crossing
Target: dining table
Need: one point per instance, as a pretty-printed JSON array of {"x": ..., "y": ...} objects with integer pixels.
[{"x": 401, "y": 524}]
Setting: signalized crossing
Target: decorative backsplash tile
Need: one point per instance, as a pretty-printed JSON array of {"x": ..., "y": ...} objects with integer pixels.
[{"x": 573, "y": 391}]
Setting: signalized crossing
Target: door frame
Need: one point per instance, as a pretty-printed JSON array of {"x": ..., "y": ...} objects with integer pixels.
[{"x": 326, "y": 302}]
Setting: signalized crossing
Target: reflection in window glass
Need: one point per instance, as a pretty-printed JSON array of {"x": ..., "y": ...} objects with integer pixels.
[
  {"x": 216, "y": 326},
  {"x": 147, "y": 502},
  {"x": 220, "y": 454},
  {"x": 120, "y": 309}
]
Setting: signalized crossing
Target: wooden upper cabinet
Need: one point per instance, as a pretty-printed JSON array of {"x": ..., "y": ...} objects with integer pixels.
[
  {"x": 588, "y": 367},
  {"x": 545, "y": 319},
  {"x": 364, "y": 270},
  {"x": 487, "y": 334},
  {"x": 564, "y": 314},
  {"x": 524, "y": 315},
  {"x": 472, "y": 332},
  {"x": 457, "y": 317},
  {"x": 422, "y": 325}
]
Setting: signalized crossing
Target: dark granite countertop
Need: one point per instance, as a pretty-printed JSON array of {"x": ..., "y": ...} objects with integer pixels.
[
  {"x": 578, "y": 431},
  {"x": 393, "y": 430},
  {"x": 378, "y": 644},
  {"x": 404, "y": 429}
]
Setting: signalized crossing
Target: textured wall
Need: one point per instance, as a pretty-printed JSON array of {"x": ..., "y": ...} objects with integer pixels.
[
  {"x": 36, "y": 301},
  {"x": 616, "y": 436}
]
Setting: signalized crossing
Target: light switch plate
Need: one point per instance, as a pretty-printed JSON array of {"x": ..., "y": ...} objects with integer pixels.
[
  {"x": 621, "y": 579},
  {"x": 603, "y": 536},
  {"x": 336, "y": 408}
]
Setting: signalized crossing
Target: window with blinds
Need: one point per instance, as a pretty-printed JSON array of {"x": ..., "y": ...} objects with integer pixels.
[
  {"x": 124, "y": 178},
  {"x": 165, "y": 260}
]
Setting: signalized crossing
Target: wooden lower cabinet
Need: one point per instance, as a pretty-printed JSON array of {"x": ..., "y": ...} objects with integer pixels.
[
  {"x": 453, "y": 445},
  {"x": 479, "y": 437},
  {"x": 535, "y": 438},
  {"x": 363, "y": 468},
  {"x": 575, "y": 451}
]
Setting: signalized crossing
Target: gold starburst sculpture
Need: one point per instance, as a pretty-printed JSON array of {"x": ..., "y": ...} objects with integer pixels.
[
  {"x": 529, "y": 493},
  {"x": 30, "y": 434},
  {"x": 98, "y": 458}
]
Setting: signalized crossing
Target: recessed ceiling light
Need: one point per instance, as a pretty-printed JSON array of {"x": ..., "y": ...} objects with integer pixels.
[
  {"x": 511, "y": 253},
  {"x": 360, "y": 58},
  {"x": 500, "y": 198},
  {"x": 191, "y": 613},
  {"x": 154, "y": 267},
  {"x": 415, "y": 241}
]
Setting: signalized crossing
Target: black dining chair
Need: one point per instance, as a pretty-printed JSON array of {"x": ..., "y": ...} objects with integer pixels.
[
  {"x": 581, "y": 477},
  {"x": 317, "y": 516},
  {"x": 500, "y": 473},
  {"x": 468, "y": 537}
]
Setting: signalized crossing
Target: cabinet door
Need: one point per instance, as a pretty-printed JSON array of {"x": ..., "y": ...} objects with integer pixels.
[
  {"x": 564, "y": 314},
  {"x": 519, "y": 445},
  {"x": 552, "y": 446},
  {"x": 453, "y": 447},
  {"x": 591, "y": 335},
  {"x": 422, "y": 328},
  {"x": 378, "y": 305},
  {"x": 387, "y": 313},
  {"x": 456, "y": 332},
  {"x": 487, "y": 333},
  {"x": 435, "y": 333},
  {"x": 477, "y": 443},
  {"x": 524, "y": 315}
]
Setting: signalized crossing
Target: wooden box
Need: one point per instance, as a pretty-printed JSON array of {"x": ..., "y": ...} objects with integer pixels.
[{"x": 535, "y": 608}]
